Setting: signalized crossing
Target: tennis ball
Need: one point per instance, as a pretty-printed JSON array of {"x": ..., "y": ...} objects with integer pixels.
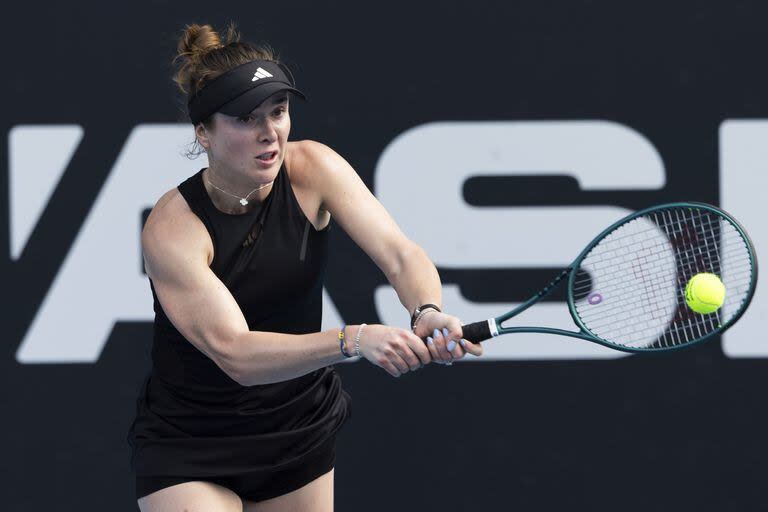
[{"x": 705, "y": 293}]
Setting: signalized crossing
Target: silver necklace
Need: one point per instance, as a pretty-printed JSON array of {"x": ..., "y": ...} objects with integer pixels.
[{"x": 243, "y": 200}]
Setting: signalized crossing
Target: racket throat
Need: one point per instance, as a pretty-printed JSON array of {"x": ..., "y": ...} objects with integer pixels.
[
  {"x": 547, "y": 289},
  {"x": 536, "y": 298}
]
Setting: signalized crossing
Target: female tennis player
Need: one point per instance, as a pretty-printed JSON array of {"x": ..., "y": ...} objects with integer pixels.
[{"x": 241, "y": 408}]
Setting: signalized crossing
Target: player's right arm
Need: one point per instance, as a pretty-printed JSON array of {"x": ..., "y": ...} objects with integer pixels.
[{"x": 177, "y": 252}]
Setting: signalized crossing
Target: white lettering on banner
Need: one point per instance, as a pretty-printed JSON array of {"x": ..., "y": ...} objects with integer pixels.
[
  {"x": 743, "y": 181},
  {"x": 434, "y": 160},
  {"x": 34, "y": 174},
  {"x": 100, "y": 281}
]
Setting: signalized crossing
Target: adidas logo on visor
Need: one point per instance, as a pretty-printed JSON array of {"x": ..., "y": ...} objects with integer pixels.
[{"x": 261, "y": 73}]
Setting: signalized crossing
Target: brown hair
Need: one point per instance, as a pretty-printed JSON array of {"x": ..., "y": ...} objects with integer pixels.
[{"x": 202, "y": 56}]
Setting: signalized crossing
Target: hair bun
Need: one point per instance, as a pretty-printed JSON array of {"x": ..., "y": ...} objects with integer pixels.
[
  {"x": 194, "y": 45},
  {"x": 197, "y": 40}
]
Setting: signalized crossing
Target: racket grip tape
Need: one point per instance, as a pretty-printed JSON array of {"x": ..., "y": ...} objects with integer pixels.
[{"x": 478, "y": 331}]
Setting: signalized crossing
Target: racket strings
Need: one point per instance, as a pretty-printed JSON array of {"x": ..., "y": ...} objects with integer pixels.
[
  {"x": 630, "y": 288},
  {"x": 585, "y": 283},
  {"x": 739, "y": 283},
  {"x": 599, "y": 261},
  {"x": 607, "y": 319},
  {"x": 621, "y": 285},
  {"x": 686, "y": 324}
]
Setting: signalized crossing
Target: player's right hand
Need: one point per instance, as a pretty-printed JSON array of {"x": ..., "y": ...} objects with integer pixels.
[{"x": 397, "y": 351}]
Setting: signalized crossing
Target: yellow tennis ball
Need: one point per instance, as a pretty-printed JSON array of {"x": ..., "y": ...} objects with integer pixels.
[{"x": 705, "y": 293}]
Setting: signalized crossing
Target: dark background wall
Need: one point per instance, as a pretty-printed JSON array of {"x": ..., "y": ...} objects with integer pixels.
[{"x": 679, "y": 432}]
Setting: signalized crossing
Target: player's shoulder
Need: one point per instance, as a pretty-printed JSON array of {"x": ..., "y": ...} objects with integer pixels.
[
  {"x": 308, "y": 149},
  {"x": 309, "y": 160},
  {"x": 173, "y": 227}
]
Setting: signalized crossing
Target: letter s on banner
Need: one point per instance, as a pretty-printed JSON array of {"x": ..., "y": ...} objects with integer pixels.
[{"x": 419, "y": 179}]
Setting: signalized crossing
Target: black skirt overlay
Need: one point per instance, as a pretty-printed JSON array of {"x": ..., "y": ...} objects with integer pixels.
[{"x": 193, "y": 422}]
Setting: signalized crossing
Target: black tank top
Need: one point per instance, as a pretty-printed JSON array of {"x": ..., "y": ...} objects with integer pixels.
[{"x": 192, "y": 418}]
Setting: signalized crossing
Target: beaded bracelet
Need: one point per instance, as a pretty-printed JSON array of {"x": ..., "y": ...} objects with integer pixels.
[
  {"x": 342, "y": 342},
  {"x": 357, "y": 339}
]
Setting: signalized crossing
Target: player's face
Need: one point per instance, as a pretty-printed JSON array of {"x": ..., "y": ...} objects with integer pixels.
[{"x": 253, "y": 145}]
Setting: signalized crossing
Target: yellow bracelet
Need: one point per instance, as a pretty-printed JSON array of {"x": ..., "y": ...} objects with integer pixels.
[{"x": 343, "y": 342}]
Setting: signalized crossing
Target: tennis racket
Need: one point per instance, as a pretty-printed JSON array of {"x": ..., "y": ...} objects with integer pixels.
[{"x": 626, "y": 290}]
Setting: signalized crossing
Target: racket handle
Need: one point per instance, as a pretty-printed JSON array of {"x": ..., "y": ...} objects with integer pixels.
[{"x": 477, "y": 332}]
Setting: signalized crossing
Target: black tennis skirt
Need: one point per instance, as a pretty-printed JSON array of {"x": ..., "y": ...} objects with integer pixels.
[
  {"x": 258, "y": 451},
  {"x": 257, "y": 485}
]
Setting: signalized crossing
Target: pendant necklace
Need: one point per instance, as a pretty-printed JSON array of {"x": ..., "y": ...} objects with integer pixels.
[{"x": 243, "y": 200}]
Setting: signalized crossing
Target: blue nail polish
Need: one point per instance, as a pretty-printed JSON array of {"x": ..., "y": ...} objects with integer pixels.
[
  {"x": 429, "y": 341},
  {"x": 463, "y": 343},
  {"x": 436, "y": 333},
  {"x": 451, "y": 345},
  {"x": 445, "y": 332}
]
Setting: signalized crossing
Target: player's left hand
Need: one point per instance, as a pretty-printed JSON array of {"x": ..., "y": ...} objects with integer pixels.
[{"x": 444, "y": 331}]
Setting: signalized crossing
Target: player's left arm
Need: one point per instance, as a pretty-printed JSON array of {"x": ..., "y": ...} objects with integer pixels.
[{"x": 405, "y": 264}]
